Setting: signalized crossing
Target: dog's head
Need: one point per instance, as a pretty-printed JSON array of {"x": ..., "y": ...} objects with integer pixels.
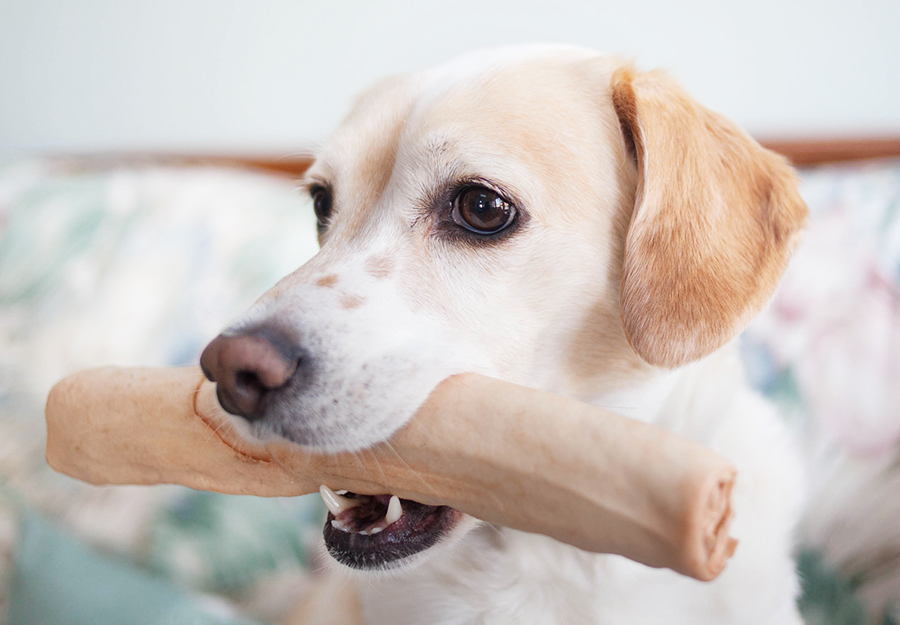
[{"x": 544, "y": 215}]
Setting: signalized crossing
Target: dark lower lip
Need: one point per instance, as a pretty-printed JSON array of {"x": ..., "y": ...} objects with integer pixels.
[{"x": 420, "y": 528}]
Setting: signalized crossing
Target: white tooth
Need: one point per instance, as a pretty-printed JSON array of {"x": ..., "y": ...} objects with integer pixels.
[
  {"x": 340, "y": 526},
  {"x": 341, "y": 492},
  {"x": 394, "y": 511},
  {"x": 334, "y": 502}
]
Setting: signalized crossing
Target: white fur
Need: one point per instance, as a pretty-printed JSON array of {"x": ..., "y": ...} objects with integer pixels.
[
  {"x": 519, "y": 311},
  {"x": 500, "y": 576}
]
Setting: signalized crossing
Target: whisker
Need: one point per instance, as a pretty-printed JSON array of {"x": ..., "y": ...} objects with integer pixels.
[
  {"x": 343, "y": 585},
  {"x": 215, "y": 431},
  {"x": 208, "y": 313},
  {"x": 411, "y": 470},
  {"x": 359, "y": 459},
  {"x": 377, "y": 463},
  {"x": 494, "y": 528},
  {"x": 275, "y": 459}
]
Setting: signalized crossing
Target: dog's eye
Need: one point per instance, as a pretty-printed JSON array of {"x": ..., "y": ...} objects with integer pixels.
[
  {"x": 322, "y": 204},
  {"x": 482, "y": 210}
]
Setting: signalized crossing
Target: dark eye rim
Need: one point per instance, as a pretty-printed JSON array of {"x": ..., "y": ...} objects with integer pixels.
[
  {"x": 323, "y": 193},
  {"x": 457, "y": 218}
]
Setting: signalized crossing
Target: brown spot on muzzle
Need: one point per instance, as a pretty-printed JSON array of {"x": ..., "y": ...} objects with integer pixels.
[
  {"x": 349, "y": 301},
  {"x": 326, "y": 282}
]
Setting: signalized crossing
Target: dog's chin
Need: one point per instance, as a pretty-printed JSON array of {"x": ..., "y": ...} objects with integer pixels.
[{"x": 368, "y": 537}]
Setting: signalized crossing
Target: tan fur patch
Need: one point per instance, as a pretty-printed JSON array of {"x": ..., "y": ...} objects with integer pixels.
[
  {"x": 579, "y": 161},
  {"x": 716, "y": 218},
  {"x": 379, "y": 266},
  {"x": 366, "y": 145},
  {"x": 599, "y": 358},
  {"x": 326, "y": 282},
  {"x": 568, "y": 154},
  {"x": 348, "y": 301}
]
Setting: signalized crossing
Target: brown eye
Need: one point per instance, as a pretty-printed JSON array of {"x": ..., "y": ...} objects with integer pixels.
[
  {"x": 482, "y": 210},
  {"x": 322, "y": 205}
]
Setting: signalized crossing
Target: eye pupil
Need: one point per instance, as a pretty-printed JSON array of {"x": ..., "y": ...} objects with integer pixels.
[
  {"x": 482, "y": 210},
  {"x": 322, "y": 205}
]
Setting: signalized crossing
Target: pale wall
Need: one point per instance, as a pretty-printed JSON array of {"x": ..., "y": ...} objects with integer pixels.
[{"x": 89, "y": 75}]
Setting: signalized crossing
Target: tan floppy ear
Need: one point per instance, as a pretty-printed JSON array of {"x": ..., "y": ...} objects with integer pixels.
[{"x": 716, "y": 217}]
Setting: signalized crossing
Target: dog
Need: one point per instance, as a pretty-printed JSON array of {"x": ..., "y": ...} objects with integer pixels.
[{"x": 552, "y": 217}]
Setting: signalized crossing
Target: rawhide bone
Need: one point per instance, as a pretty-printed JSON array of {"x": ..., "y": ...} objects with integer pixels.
[{"x": 513, "y": 456}]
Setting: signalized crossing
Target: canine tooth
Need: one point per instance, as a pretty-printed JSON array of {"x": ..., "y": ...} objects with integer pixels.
[
  {"x": 394, "y": 511},
  {"x": 334, "y": 502}
]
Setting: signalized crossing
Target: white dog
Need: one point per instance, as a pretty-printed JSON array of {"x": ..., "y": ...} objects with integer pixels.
[{"x": 548, "y": 216}]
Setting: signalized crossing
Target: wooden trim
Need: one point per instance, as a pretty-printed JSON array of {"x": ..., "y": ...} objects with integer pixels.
[
  {"x": 820, "y": 151},
  {"x": 293, "y": 165},
  {"x": 798, "y": 151}
]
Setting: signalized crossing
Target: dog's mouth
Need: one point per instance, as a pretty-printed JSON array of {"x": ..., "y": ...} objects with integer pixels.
[{"x": 370, "y": 532}]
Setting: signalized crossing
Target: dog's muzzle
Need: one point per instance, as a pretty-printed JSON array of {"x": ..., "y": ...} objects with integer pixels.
[{"x": 257, "y": 372}]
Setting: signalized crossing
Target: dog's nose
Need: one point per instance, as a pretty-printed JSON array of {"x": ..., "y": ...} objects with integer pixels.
[{"x": 247, "y": 366}]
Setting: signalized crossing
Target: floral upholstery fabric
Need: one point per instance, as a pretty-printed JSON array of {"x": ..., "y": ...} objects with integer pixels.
[{"x": 144, "y": 265}]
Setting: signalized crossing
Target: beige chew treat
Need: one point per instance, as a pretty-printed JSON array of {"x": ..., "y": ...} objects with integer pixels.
[{"x": 513, "y": 456}]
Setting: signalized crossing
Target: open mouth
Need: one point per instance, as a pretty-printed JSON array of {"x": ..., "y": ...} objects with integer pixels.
[{"x": 378, "y": 531}]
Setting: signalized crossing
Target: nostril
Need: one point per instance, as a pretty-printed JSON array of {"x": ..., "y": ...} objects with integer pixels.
[
  {"x": 249, "y": 366},
  {"x": 244, "y": 395},
  {"x": 248, "y": 380}
]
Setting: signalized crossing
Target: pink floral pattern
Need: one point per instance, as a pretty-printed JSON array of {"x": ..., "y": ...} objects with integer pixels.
[{"x": 834, "y": 325}]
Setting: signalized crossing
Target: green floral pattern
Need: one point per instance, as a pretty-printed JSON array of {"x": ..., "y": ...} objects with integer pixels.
[{"x": 143, "y": 266}]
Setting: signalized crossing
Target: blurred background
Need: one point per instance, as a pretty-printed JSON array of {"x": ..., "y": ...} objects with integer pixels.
[
  {"x": 277, "y": 75},
  {"x": 148, "y": 161}
]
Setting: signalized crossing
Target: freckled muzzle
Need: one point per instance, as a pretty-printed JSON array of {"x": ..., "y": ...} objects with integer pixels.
[{"x": 338, "y": 362}]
